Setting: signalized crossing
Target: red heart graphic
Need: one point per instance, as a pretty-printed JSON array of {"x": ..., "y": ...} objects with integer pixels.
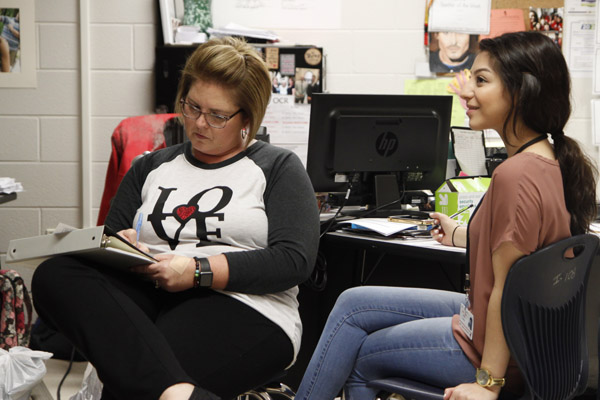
[{"x": 184, "y": 212}]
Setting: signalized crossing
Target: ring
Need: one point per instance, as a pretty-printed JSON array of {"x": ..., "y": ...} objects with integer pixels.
[{"x": 156, "y": 285}]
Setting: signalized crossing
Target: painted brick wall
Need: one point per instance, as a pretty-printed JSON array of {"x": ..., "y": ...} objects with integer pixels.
[{"x": 40, "y": 128}]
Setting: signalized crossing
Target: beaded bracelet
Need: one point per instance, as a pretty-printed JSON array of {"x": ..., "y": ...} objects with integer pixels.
[
  {"x": 203, "y": 275},
  {"x": 454, "y": 231},
  {"x": 197, "y": 273}
]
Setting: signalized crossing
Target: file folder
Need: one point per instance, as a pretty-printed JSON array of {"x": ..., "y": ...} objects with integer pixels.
[{"x": 99, "y": 244}]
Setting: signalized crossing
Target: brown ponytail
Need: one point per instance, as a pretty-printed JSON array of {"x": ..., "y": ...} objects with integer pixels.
[{"x": 579, "y": 176}]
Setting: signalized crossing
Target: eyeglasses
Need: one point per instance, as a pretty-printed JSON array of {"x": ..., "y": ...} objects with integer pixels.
[{"x": 215, "y": 120}]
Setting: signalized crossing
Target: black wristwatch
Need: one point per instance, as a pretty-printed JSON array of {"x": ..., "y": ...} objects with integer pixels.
[{"x": 203, "y": 276}]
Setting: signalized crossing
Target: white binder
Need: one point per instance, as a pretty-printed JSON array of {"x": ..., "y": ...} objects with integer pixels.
[{"x": 99, "y": 244}]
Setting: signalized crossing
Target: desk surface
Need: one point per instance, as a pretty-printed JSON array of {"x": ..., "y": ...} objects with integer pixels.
[{"x": 420, "y": 248}]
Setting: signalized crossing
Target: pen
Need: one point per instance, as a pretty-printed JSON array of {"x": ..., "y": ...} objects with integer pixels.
[
  {"x": 462, "y": 210},
  {"x": 138, "y": 227}
]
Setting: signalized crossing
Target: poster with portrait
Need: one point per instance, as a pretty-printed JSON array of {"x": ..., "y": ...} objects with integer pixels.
[
  {"x": 451, "y": 52},
  {"x": 17, "y": 44}
]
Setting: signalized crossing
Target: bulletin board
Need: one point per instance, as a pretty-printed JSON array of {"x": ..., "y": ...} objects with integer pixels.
[{"x": 498, "y": 4}]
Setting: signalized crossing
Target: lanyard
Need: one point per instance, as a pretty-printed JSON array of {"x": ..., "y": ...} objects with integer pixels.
[{"x": 532, "y": 141}]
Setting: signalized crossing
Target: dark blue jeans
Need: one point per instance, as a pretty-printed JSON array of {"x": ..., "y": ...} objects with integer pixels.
[{"x": 379, "y": 332}]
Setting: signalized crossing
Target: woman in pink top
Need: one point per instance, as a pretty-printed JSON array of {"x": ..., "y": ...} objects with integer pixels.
[{"x": 545, "y": 191}]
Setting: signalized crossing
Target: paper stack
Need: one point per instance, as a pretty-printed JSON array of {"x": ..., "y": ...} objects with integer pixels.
[
  {"x": 233, "y": 29},
  {"x": 379, "y": 225},
  {"x": 9, "y": 185}
]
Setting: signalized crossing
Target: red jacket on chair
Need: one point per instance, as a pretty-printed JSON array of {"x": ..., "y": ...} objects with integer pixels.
[{"x": 132, "y": 137}]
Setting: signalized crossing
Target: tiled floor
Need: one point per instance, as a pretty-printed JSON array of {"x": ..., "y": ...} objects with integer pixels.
[{"x": 56, "y": 370}]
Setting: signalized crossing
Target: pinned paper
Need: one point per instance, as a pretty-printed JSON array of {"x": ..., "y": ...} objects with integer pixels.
[
  {"x": 466, "y": 16},
  {"x": 272, "y": 57},
  {"x": 505, "y": 20}
]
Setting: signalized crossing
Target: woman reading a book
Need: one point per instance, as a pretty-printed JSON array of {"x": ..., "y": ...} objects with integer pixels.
[
  {"x": 234, "y": 225},
  {"x": 542, "y": 193}
]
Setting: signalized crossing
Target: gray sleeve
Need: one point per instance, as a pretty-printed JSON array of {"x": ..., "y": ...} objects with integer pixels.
[{"x": 293, "y": 237}]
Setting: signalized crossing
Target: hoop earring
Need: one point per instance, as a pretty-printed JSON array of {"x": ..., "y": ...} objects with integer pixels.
[{"x": 244, "y": 133}]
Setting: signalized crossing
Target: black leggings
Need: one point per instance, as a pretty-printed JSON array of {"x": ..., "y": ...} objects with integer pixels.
[{"x": 142, "y": 340}]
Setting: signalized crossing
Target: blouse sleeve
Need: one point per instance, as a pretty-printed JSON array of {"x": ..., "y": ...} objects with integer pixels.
[{"x": 516, "y": 202}]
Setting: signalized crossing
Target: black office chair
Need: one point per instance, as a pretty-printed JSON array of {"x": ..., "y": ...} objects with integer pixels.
[
  {"x": 543, "y": 318},
  {"x": 272, "y": 390}
]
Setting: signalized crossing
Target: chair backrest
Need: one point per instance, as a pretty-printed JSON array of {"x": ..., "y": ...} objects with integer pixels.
[
  {"x": 543, "y": 316},
  {"x": 132, "y": 137}
]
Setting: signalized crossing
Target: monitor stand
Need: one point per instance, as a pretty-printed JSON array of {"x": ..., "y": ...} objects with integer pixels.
[{"x": 387, "y": 191}]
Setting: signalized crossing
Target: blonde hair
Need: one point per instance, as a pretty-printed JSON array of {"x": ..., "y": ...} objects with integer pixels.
[{"x": 235, "y": 65}]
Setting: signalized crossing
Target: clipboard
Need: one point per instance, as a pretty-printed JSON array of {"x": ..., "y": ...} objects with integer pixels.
[{"x": 99, "y": 244}]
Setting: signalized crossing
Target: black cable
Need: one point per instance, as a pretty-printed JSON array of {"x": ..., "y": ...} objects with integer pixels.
[
  {"x": 66, "y": 373},
  {"x": 368, "y": 212},
  {"x": 318, "y": 278},
  {"x": 362, "y": 215},
  {"x": 339, "y": 210}
]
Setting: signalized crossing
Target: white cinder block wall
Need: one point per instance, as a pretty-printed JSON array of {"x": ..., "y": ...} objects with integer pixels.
[{"x": 40, "y": 129}]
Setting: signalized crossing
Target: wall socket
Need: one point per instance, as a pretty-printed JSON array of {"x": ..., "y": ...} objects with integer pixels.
[{"x": 49, "y": 231}]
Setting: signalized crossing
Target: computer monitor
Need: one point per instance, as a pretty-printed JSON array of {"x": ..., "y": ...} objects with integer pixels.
[{"x": 362, "y": 138}]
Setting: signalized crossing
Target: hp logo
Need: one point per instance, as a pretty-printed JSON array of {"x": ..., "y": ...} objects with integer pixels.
[{"x": 386, "y": 144}]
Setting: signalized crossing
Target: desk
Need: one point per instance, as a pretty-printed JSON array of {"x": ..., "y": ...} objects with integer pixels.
[
  {"x": 356, "y": 260},
  {"x": 423, "y": 248},
  {"x": 419, "y": 251}
]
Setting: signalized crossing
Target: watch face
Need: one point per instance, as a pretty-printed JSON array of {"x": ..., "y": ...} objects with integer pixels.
[{"x": 482, "y": 377}]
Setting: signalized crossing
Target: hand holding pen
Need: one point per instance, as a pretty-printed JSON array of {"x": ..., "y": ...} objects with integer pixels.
[
  {"x": 435, "y": 233},
  {"x": 456, "y": 214},
  {"x": 133, "y": 235}
]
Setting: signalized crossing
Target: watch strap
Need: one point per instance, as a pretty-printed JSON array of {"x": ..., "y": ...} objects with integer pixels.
[
  {"x": 497, "y": 381},
  {"x": 491, "y": 381}
]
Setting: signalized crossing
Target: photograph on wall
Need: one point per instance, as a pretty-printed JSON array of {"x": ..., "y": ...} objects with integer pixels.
[
  {"x": 451, "y": 52},
  {"x": 282, "y": 84},
  {"x": 17, "y": 44},
  {"x": 308, "y": 81},
  {"x": 10, "y": 42},
  {"x": 549, "y": 21}
]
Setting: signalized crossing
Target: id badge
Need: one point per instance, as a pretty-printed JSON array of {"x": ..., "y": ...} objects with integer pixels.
[{"x": 466, "y": 321}]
